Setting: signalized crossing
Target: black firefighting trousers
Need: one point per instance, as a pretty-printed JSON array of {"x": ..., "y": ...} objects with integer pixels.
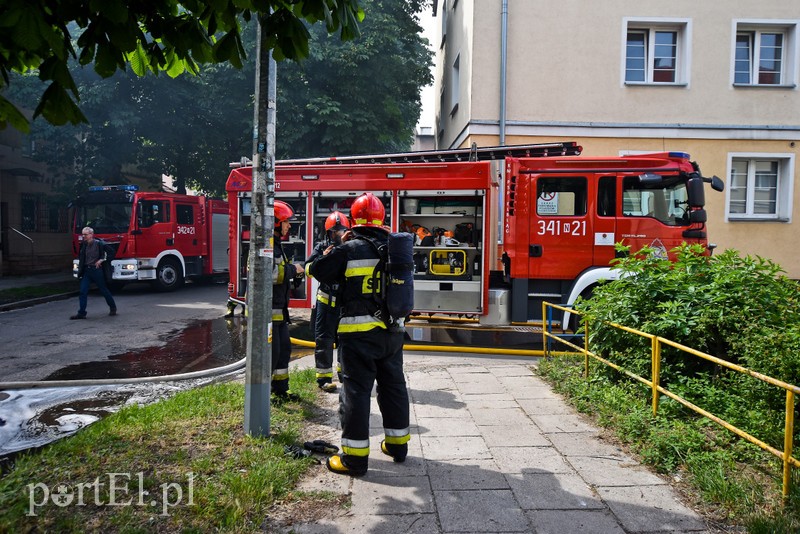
[
  {"x": 376, "y": 355},
  {"x": 281, "y": 353},
  {"x": 326, "y": 319}
]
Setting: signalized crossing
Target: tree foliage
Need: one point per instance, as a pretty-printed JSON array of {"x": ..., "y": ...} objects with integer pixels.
[
  {"x": 172, "y": 36},
  {"x": 191, "y": 127},
  {"x": 360, "y": 96}
]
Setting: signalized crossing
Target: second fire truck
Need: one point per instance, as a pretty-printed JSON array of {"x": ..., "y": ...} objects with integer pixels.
[
  {"x": 164, "y": 238},
  {"x": 498, "y": 229}
]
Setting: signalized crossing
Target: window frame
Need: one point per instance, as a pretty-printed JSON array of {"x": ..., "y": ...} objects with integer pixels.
[
  {"x": 784, "y": 187},
  {"x": 757, "y": 27},
  {"x": 455, "y": 84},
  {"x": 683, "y": 48}
]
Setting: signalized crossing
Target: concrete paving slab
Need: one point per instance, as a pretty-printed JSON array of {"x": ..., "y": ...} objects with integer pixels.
[
  {"x": 464, "y": 372},
  {"x": 510, "y": 370},
  {"x": 491, "y": 416},
  {"x": 447, "y": 426},
  {"x": 486, "y": 401},
  {"x": 519, "y": 435},
  {"x": 466, "y": 475},
  {"x": 562, "y": 423},
  {"x": 379, "y": 524},
  {"x": 583, "y": 521},
  {"x": 446, "y": 398},
  {"x": 480, "y": 511},
  {"x": 467, "y": 447},
  {"x": 587, "y": 444},
  {"x": 493, "y": 400},
  {"x": 613, "y": 472},
  {"x": 484, "y": 387},
  {"x": 535, "y": 392},
  {"x": 546, "y": 407},
  {"x": 553, "y": 491},
  {"x": 529, "y": 460},
  {"x": 650, "y": 509},
  {"x": 434, "y": 410},
  {"x": 382, "y": 495}
]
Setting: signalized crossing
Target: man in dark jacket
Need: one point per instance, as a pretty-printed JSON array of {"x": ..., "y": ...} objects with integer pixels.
[
  {"x": 371, "y": 350},
  {"x": 326, "y": 311},
  {"x": 94, "y": 257}
]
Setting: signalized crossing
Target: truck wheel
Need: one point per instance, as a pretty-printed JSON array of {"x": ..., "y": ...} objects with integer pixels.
[{"x": 168, "y": 275}]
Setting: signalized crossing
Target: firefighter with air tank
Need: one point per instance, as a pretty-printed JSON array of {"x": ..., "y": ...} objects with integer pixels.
[
  {"x": 371, "y": 349},
  {"x": 326, "y": 312}
]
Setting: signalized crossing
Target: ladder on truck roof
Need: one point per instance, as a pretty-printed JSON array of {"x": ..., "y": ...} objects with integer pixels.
[{"x": 475, "y": 153}]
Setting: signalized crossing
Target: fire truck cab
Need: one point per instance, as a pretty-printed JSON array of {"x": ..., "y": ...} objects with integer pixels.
[
  {"x": 497, "y": 229},
  {"x": 163, "y": 238}
]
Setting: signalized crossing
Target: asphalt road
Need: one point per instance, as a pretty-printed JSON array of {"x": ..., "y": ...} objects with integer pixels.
[{"x": 37, "y": 341}]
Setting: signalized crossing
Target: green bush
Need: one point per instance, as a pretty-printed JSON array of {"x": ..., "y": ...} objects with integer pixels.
[{"x": 740, "y": 309}]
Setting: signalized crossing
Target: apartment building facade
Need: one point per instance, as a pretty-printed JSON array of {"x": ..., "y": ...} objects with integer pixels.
[{"x": 715, "y": 79}]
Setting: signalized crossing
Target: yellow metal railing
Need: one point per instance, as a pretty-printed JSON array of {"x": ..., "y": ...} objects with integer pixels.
[{"x": 654, "y": 384}]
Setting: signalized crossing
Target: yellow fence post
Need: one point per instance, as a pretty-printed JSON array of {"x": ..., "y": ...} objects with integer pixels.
[
  {"x": 788, "y": 441},
  {"x": 585, "y": 348},
  {"x": 545, "y": 330},
  {"x": 656, "y": 368}
]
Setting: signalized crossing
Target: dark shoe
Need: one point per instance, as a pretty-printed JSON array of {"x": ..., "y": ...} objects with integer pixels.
[
  {"x": 321, "y": 446},
  {"x": 112, "y": 311},
  {"x": 77, "y": 316},
  {"x": 397, "y": 452},
  {"x": 280, "y": 398},
  {"x": 336, "y": 465},
  {"x": 328, "y": 387},
  {"x": 296, "y": 452}
]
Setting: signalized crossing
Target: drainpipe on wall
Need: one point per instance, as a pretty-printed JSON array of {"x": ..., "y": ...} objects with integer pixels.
[{"x": 503, "y": 54}]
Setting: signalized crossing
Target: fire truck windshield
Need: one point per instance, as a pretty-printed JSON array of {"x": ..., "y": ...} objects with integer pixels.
[
  {"x": 104, "y": 218},
  {"x": 665, "y": 200}
]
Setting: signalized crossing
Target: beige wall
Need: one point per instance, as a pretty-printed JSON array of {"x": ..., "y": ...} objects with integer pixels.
[{"x": 565, "y": 82}]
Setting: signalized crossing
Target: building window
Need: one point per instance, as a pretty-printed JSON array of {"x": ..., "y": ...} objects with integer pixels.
[
  {"x": 656, "y": 52},
  {"x": 760, "y": 187},
  {"x": 444, "y": 23},
  {"x": 455, "y": 84},
  {"x": 764, "y": 53},
  {"x": 29, "y": 205},
  {"x": 184, "y": 214}
]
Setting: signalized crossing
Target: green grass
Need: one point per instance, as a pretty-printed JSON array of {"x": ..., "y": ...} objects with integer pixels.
[
  {"x": 193, "y": 442},
  {"x": 32, "y": 292},
  {"x": 730, "y": 479}
]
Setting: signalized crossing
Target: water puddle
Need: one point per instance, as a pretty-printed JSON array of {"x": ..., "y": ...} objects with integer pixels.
[
  {"x": 201, "y": 345},
  {"x": 31, "y": 418}
]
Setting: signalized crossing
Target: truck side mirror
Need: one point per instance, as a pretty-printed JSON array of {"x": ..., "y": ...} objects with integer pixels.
[
  {"x": 696, "y": 192},
  {"x": 698, "y": 216},
  {"x": 717, "y": 184}
]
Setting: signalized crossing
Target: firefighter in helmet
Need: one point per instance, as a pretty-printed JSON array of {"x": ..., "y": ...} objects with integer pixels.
[
  {"x": 326, "y": 314},
  {"x": 370, "y": 350},
  {"x": 283, "y": 272}
]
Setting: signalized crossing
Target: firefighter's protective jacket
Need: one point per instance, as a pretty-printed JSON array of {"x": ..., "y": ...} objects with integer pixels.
[{"x": 353, "y": 265}]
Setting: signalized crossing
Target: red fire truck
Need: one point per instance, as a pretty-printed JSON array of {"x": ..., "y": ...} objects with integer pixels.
[
  {"x": 499, "y": 229},
  {"x": 164, "y": 238}
]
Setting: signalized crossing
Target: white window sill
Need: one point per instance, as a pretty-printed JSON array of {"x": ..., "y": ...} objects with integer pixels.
[
  {"x": 756, "y": 218},
  {"x": 657, "y": 84},
  {"x": 764, "y": 86}
]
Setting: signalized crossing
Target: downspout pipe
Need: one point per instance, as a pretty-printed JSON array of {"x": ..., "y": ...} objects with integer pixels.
[{"x": 503, "y": 61}]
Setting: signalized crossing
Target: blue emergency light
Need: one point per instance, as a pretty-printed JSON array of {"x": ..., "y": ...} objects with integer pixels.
[
  {"x": 682, "y": 155},
  {"x": 114, "y": 188}
]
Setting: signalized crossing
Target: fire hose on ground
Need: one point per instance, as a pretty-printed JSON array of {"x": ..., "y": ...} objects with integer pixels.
[{"x": 225, "y": 369}]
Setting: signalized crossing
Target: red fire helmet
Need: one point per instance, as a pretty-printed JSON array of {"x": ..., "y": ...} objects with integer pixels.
[
  {"x": 367, "y": 210},
  {"x": 337, "y": 221},
  {"x": 283, "y": 211}
]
